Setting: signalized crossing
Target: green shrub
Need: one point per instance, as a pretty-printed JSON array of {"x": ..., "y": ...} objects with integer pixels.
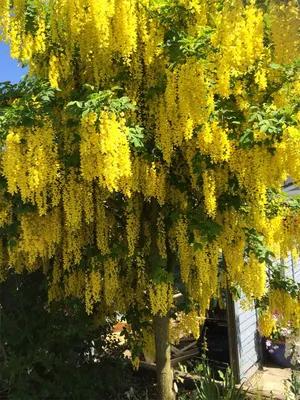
[
  {"x": 207, "y": 388},
  {"x": 54, "y": 353}
]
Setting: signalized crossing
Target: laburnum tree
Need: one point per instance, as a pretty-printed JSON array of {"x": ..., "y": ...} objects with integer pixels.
[{"x": 150, "y": 138}]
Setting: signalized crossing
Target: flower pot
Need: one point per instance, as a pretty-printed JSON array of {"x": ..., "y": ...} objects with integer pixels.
[{"x": 277, "y": 351}]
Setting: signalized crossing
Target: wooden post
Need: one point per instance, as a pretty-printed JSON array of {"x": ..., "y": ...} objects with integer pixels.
[{"x": 232, "y": 336}]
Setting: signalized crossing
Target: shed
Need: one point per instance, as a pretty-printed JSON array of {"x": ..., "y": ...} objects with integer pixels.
[
  {"x": 248, "y": 345},
  {"x": 245, "y": 347}
]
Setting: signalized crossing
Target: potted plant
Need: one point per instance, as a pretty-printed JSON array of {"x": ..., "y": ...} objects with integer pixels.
[{"x": 276, "y": 345}]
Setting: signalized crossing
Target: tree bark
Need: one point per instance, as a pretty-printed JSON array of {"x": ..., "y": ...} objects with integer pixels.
[{"x": 164, "y": 370}]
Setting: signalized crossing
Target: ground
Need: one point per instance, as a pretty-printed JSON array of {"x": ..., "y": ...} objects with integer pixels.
[{"x": 270, "y": 379}]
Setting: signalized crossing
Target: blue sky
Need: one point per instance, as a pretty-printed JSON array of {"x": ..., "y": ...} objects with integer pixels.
[{"x": 9, "y": 69}]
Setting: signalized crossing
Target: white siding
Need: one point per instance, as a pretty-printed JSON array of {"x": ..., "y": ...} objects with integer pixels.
[
  {"x": 293, "y": 270},
  {"x": 248, "y": 343},
  {"x": 297, "y": 271},
  {"x": 294, "y": 266}
]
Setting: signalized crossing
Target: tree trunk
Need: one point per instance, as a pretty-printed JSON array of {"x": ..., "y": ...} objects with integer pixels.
[{"x": 163, "y": 358}]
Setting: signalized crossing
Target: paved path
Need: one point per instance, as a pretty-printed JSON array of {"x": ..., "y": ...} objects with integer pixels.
[{"x": 270, "y": 379}]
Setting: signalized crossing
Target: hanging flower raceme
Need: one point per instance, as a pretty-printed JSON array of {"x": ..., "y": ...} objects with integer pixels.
[
  {"x": 286, "y": 306},
  {"x": 266, "y": 324},
  {"x": 40, "y": 235},
  {"x": 285, "y": 23},
  {"x": 212, "y": 140},
  {"x": 184, "y": 249},
  {"x": 186, "y": 324},
  {"x": 104, "y": 150},
  {"x": 253, "y": 281},
  {"x": 31, "y": 166},
  {"x": 93, "y": 286},
  {"x": 209, "y": 190},
  {"x": 239, "y": 39},
  {"x": 203, "y": 285},
  {"x": 161, "y": 298},
  {"x": 133, "y": 224}
]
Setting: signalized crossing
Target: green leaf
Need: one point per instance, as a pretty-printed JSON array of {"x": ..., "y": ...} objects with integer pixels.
[
  {"x": 197, "y": 246},
  {"x": 275, "y": 66},
  {"x": 73, "y": 160},
  {"x": 174, "y": 215},
  {"x": 247, "y": 139},
  {"x": 12, "y": 244},
  {"x": 264, "y": 128},
  {"x": 85, "y": 112},
  {"x": 76, "y": 139}
]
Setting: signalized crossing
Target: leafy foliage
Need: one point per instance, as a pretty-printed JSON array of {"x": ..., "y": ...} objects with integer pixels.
[
  {"x": 23, "y": 103},
  {"x": 207, "y": 388},
  {"x": 55, "y": 352}
]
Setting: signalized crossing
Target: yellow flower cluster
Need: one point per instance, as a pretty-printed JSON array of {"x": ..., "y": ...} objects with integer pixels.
[
  {"x": 186, "y": 324},
  {"x": 161, "y": 298},
  {"x": 253, "y": 280},
  {"x": 204, "y": 284},
  {"x": 4, "y": 19},
  {"x": 102, "y": 226},
  {"x": 161, "y": 237},
  {"x": 209, "y": 191},
  {"x": 40, "y": 236},
  {"x": 104, "y": 150},
  {"x": 93, "y": 286},
  {"x": 239, "y": 39},
  {"x": 152, "y": 180},
  {"x": 184, "y": 250},
  {"x": 5, "y": 210},
  {"x": 261, "y": 79},
  {"x": 30, "y": 165},
  {"x": 285, "y": 22},
  {"x": 232, "y": 242},
  {"x": 125, "y": 26},
  {"x": 266, "y": 324},
  {"x": 75, "y": 283},
  {"x": 77, "y": 201},
  {"x": 133, "y": 224},
  {"x": 111, "y": 280},
  {"x": 141, "y": 281},
  {"x": 187, "y": 103},
  {"x": 148, "y": 342},
  {"x": 110, "y": 26},
  {"x": 286, "y": 307},
  {"x": 212, "y": 140}
]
